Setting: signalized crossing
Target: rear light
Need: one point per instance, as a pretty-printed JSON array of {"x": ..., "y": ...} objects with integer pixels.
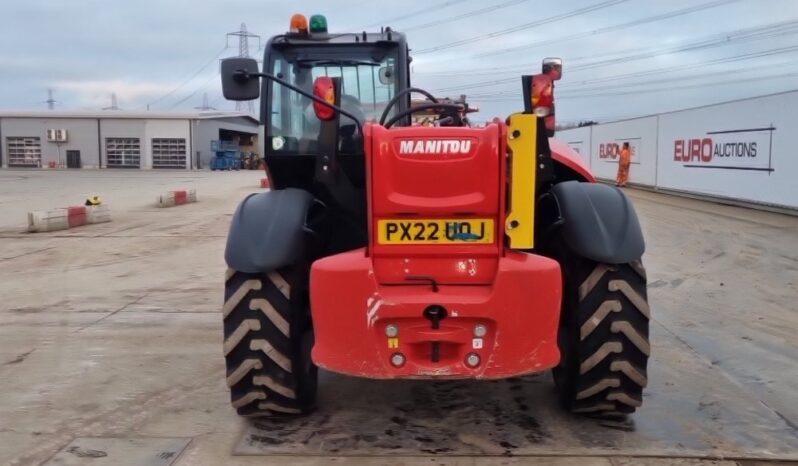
[
  {"x": 324, "y": 89},
  {"x": 542, "y": 91},
  {"x": 543, "y": 99}
]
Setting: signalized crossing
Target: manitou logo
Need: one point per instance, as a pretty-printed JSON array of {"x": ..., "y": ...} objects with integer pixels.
[{"x": 434, "y": 146}]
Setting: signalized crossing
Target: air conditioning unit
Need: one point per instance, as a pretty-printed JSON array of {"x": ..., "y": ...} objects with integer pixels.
[{"x": 57, "y": 135}]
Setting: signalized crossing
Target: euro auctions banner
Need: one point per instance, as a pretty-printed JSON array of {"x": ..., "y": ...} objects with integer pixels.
[
  {"x": 746, "y": 150},
  {"x": 733, "y": 149}
]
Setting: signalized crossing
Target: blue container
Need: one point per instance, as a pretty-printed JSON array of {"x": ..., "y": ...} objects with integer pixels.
[{"x": 227, "y": 155}]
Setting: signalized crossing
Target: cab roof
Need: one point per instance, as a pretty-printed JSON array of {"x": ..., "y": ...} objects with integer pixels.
[{"x": 386, "y": 36}]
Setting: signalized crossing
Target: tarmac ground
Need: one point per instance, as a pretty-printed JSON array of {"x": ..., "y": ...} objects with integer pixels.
[{"x": 111, "y": 347}]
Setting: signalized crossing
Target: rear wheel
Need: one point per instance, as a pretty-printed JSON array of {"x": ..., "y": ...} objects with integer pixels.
[
  {"x": 267, "y": 341},
  {"x": 603, "y": 338}
]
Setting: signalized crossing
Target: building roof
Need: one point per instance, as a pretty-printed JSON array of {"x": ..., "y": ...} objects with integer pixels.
[{"x": 124, "y": 114}]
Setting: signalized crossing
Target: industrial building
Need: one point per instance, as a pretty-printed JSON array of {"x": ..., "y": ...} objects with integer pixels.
[{"x": 119, "y": 139}]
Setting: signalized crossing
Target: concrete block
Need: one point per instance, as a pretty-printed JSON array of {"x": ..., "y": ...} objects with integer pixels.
[
  {"x": 180, "y": 197},
  {"x": 67, "y": 217},
  {"x": 98, "y": 214},
  {"x": 48, "y": 220},
  {"x": 76, "y": 215}
]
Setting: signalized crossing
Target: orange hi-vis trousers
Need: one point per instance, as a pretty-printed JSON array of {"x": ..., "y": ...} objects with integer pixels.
[{"x": 623, "y": 168}]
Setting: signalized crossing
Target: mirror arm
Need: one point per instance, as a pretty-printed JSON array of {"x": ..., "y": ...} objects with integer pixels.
[{"x": 241, "y": 75}]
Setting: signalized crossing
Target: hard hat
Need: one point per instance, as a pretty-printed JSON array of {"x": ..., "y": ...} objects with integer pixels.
[{"x": 93, "y": 200}]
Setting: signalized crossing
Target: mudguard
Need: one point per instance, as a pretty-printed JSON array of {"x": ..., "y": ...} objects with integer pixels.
[
  {"x": 267, "y": 230},
  {"x": 599, "y": 222}
]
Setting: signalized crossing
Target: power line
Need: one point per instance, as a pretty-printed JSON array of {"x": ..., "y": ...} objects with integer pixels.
[
  {"x": 203, "y": 87},
  {"x": 735, "y": 58},
  {"x": 488, "y": 9},
  {"x": 790, "y": 27},
  {"x": 648, "y": 90},
  {"x": 530, "y": 25},
  {"x": 687, "y": 86},
  {"x": 642, "y": 73},
  {"x": 579, "y": 87},
  {"x": 628, "y": 24},
  {"x": 194, "y": 75},
  {"x": 716, "y": 40},
  {"x": 681, "y": 67},
  {"x": 415, "y": 13}
]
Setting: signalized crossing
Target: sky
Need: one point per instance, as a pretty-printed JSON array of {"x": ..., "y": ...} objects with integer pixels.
[{"x": 622, "y": 58}]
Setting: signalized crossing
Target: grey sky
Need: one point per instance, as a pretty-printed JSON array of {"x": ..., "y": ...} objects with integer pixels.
[{"x": 143, "y": 50}]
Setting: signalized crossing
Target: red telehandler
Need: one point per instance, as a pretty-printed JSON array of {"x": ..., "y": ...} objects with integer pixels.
[{"x": 389, "y": 251}]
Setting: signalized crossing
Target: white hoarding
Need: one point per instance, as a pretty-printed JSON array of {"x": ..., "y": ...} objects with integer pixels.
[
  {"x": 745, "y": 150},
  {"x": 578, "y": 139},
  {"x": 607, "y": 140}
]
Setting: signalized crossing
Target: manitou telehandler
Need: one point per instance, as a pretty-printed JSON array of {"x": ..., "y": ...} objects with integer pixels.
[{"x": 389, "y": 251}]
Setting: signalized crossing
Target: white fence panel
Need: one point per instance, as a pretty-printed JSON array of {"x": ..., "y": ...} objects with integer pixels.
[
  {"x": 745, "y": 150},
  {"x": 606, "y": 143},
  {"x": 578, "y": 139}
]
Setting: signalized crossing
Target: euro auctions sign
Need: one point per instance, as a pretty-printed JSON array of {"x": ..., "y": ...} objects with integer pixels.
[{"x": 736, "y": 149}]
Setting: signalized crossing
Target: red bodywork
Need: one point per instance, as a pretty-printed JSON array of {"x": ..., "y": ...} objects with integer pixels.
[
  {"x": 515, "y": 295},
  {"x": 563, "y": 154}
]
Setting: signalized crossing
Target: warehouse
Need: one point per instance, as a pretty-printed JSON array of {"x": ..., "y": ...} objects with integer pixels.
[{"x": 119, "y": 139}]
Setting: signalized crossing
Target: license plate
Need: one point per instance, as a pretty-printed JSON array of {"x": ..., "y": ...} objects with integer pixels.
[{"x": 435, "y": 231}]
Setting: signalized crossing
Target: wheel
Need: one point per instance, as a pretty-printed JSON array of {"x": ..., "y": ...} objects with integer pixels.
[
  {"x": 267, "y": 341},
  {"x": 603, "y": 338}
]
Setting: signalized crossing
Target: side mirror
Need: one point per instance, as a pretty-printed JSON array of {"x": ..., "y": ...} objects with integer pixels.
[
  {"x": 552, "y": 67},
  {"x": 386, "y": 75},
  {"x": 240, "y": 79}
]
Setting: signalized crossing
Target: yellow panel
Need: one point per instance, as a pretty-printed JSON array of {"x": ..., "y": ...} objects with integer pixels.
[{"x": 522, "y": 140}]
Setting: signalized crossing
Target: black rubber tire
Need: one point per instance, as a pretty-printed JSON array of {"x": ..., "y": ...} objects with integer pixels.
[
  {"x": 603, "y": 338},
  {"x": 268, "y": 336}
]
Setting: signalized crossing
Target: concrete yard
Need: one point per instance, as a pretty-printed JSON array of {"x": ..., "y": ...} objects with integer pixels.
[{"x": 111, "y": 353}]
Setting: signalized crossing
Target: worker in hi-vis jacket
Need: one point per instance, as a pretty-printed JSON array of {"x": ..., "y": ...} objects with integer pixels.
[{"x": 623, "y": 165}]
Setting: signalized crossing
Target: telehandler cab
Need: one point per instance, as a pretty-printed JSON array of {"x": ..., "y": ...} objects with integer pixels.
[{"x": 387, "y": 250}]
